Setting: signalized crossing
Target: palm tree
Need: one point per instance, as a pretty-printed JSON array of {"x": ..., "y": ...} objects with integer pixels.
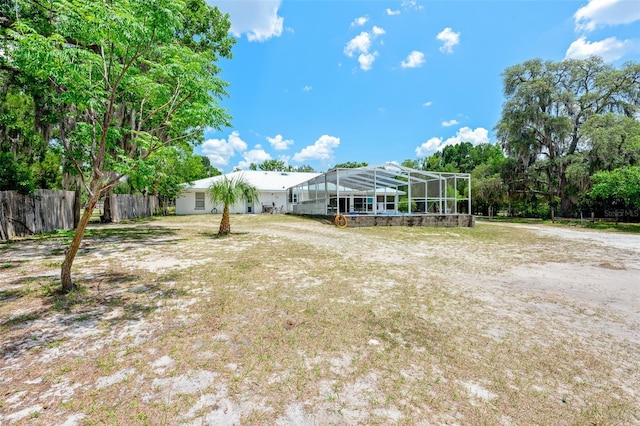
[{"x": 229, "y": 192}]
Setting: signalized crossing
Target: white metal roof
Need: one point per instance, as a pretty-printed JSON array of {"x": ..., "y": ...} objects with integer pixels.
[{"x": 263, "y": 181}]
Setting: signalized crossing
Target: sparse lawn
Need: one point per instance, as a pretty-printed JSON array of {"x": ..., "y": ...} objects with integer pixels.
[
  {"x": 293, "y": 321},
  {"x": 586, "y": 223}
]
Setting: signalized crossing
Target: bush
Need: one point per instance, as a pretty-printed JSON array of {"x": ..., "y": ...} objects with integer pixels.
[{"x": 403, "y": 206}]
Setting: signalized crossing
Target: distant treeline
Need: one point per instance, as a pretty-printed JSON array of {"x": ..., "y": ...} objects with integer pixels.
[{"x": 568, "y": 141}]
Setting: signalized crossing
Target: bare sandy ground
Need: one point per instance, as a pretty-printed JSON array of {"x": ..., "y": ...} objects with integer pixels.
[
  {"x": 557, "y": 283},
  {"x": 603, "y": 273}
]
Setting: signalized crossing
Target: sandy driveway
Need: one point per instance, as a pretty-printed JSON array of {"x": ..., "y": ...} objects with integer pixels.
[{"x": 603, "y": 273}]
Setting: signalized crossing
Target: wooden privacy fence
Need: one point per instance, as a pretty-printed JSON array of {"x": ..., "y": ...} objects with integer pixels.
[
  {"x": 123, "y": 207},
  {"x": 47, "y": 211},
  {"x": 44, "y": 211}
]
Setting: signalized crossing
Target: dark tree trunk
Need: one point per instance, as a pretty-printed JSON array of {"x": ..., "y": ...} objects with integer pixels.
[{"x": 565, "y": 202}]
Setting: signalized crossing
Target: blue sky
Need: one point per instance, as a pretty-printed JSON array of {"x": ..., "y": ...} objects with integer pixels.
[{"x": 326, "y": 82}]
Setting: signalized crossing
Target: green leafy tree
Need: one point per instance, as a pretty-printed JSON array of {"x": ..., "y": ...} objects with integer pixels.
[
  {"x": 134, "y": 79},
  {"x": 412, "y": 163},
  {"x": 403, "y": 205},
  {"x": 47, "y": 173},
  {"x": 350, "y": 165},
  {"x": 273, "y": 166},
  {"x": 547, "y": 107},
  {"x": 14, "y": 176},
  {"x": 229, "y": 191},
  {"x": 621, "y": 184},
  {"x": 164, "y": 174},
  {"x": 305, "y": 168},
  {"x": 487, "y": 188},
  {"x": 209, "y": 170},
  {"x": 613, "y": 141},
  {"x": 280, "y": 166}
]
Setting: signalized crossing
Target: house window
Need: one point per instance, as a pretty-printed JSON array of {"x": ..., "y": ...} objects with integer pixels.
[
  {"x": 293, "y": 197},
  {"x": 199, "y": 200},
  {"x": 389, "y": 201}
]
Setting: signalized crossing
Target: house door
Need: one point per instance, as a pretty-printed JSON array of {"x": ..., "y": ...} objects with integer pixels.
[{"x": 249, "y": 208}]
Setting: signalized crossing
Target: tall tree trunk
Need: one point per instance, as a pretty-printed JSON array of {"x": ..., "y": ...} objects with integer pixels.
[
  {"x": 566, "y": 206},
  {"x": 72, "y": 250},
  {"x": 225, "y": 223}
]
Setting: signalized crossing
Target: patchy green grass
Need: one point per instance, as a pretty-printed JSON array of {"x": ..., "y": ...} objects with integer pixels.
[
  {"x": 613, "y": 226},
  {"x": 587, "y": 223},
  {"x": 20, "y": 319}
]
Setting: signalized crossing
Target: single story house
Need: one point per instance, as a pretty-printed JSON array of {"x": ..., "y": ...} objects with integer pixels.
[{"x": 272, "y": 187}]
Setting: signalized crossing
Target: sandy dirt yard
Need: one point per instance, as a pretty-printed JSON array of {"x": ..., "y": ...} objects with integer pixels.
[{"x": 292, "y": 321}]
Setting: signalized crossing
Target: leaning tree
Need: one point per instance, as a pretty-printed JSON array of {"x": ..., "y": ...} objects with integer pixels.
[{"x": 129, "y": 78}]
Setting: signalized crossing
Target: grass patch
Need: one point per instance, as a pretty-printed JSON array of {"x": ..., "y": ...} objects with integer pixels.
[
  {"x": 633, "y": 228},
  {"x": 19, "y": 319},
  {"x": 587, "y": 223}
]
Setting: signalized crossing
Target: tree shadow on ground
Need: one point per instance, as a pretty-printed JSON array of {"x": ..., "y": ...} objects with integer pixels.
[
  {"x": 216, "y": 235},
  {"x": 36, "y": 315},
  {"x": 94, "y": 241},
  {"x": 127, "y": 233},
  {"x": 55, "y": 317}
]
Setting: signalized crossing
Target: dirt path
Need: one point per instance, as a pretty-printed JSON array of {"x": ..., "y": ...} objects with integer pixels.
[{"x": 602, "y": 273}]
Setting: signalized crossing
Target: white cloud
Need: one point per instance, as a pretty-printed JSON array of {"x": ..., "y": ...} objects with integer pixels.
[
  {"x": 358, "y": 22},
  {"x": 428, "y": 103},
  {"x": 411, "y": 4},
  {"x": 449, "y": 38},
  {"x": 279, "y": 143},
  {"x": 256, "y": 156},
  {"x": 258, "y": 19},
  {"x": 465, "y": 134},
  {"x": 322, "y": 149},
  {"x": 220, "y": 151},
  {"x": 414, "y": 60},
  {"x": 602, "y": 13},
  {"x": 609, "y": 49},
  {"x": 307, "y": 88},
  {"x": 449, "y": 123},
  {"x": 361, "y": 44},
  {"x": 392, "y": 12},
  {"x": 377, "y": 31},
  {"x": 429, "y": 147},
  {"x": 366, "y": 60}
]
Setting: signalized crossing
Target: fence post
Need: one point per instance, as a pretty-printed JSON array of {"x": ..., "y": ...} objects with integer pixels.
[{"x": 77, "y": 205}]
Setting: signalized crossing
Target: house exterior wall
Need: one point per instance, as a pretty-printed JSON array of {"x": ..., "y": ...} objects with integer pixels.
[{"x": 186, "y": 203}]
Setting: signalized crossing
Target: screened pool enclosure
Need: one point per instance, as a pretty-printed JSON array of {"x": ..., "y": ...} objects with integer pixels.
[{"x": 388, "y": 189}]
